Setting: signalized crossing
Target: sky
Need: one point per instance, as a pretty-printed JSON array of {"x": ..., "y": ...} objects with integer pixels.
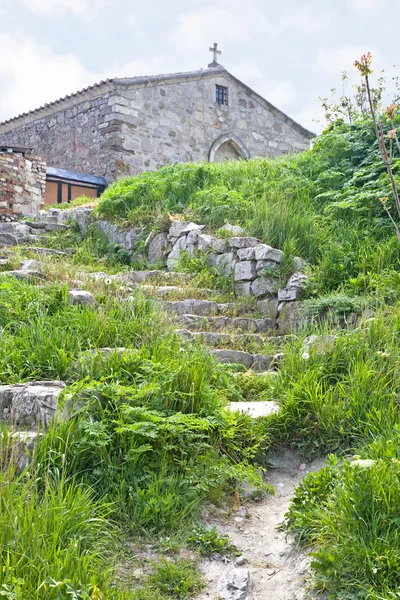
[{"x": 291, "y": 51}]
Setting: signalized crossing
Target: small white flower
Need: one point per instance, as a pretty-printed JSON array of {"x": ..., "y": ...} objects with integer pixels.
[
  {"x": 305, "y": 356},
  {"x": 108, "y": 281}
]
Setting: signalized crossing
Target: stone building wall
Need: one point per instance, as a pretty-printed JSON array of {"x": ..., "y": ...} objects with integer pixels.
[
  {"x": 126, "y": 126},
  {"x": 180, "y": 122},
  {"x": 22, "y": 184},
  {"x": 68, "y": 134}
]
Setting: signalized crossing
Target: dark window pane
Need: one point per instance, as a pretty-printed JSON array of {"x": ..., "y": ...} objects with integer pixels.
[{"x": 221, "y": 94}]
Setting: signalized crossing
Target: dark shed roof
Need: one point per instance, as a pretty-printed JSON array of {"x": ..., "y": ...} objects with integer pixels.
[{"x": 72, "y": 176}]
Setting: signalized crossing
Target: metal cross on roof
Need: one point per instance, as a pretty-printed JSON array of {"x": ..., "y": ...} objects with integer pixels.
[{"x": 215, "y": 51}]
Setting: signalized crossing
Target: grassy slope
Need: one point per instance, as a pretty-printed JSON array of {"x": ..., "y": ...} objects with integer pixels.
[
  {"x": 151, "y": 439},
  {"x": 323, "y": 206},
  {"x": 149, "y": 442}
]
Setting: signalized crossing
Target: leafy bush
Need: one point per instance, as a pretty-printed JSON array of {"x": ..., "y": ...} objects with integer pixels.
[{"x": 323, "y": 204}]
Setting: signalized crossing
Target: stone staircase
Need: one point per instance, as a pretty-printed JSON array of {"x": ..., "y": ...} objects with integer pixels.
[{"x": 238, "y": 331}]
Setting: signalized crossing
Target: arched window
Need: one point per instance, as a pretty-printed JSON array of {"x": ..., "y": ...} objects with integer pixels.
[{"x": 228, "y": 147}]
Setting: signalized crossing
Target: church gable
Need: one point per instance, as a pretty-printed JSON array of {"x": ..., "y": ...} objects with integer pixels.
[{"x": 124, "y": 126}]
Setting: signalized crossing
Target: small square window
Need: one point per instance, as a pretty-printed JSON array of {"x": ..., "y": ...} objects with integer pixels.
[{"x": 221, "y": 94}]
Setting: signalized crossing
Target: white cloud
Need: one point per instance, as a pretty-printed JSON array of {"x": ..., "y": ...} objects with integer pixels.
[
  {"x": 334, "y": 61},
  {"x": 229, "y": 20},
  {"x": 31, "y": 75},
  {"x": 367, "y": 7},
  {"x": 59, "y": 8},
  {"x": 55, "y": 7}
]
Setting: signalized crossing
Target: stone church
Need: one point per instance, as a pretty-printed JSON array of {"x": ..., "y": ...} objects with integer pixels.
[{"x": 125, "y": 126}]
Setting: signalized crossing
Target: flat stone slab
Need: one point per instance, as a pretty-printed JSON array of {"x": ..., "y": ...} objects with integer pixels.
[
  {"x": 22, "y": 274},
  {"x": 234, "y": 585},
  {"x": 29, "y": 405},
  {"x": 233, "y": 357},
  {"x": 194, "y": 307},
  {"x": 81, "y": 298},
  {"x": 142, "y": 276},
  {"x": 199, "y": 323},
  {"x": 255, "y": 409}
]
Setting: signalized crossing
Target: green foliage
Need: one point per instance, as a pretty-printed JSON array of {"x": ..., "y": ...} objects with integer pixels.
[
  {"x": 178, "y": 578},
  {"x": 80, "y": 201},
  {"x": 55, "y": 541},
  {"x": 321, "y": 205},
  {"x": 352, "y": 513},
  {"x": 205, "y": 276},
  {"x": 209, "y": 541}
]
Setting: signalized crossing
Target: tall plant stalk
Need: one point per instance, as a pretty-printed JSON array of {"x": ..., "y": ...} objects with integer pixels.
[{"x": 364, "y": 66}]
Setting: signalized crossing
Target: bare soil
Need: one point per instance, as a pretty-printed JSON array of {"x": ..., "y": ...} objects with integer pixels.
[{"x": 277, "y": 568}]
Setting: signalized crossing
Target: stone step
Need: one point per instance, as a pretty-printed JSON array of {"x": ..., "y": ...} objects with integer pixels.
[
  {"x": 49, "y": 251},
  {"x": 166, "y": 291},
  {"x": 256, "y": 362},
  {"x": 30, "y": 405},
  {"x": 255, "y": 409},
  {"x": 23, "y": 274},
  {"x": 50, "y": 227},
  {"x": 216, "y": 339},
  {"x": 202, "y": 308},
  {"x": 218, "y": 323},
  {"x": 154, "y": 275}
]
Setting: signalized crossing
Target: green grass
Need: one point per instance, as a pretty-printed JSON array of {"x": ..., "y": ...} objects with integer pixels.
[
  {"x": 321, "y": 205},
  {"x": 177, "y": 578},
  {"x": 56, "y": 541}
]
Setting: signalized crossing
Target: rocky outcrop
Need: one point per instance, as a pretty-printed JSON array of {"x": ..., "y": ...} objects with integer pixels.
[{"x": 30, "y": 405}]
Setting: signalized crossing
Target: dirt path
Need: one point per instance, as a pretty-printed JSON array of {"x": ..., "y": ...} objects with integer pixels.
[{"x": 277, "y": 569}]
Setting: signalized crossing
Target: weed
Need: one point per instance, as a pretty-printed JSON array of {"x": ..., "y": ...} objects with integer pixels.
[{"x": 177, "y": 578}]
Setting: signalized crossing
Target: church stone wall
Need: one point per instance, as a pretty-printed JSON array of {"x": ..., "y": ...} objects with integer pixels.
[
  {"x": 73, "y": 137},
  {"x": 122, "y": 127},
  {"x": 179, "y": 122}
]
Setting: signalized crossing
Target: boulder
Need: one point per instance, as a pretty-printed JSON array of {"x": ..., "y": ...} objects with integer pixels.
[
  {"x": 234, "y": 585},
  {"x": 246, "y": 253},
  {"x": 82, "y": 216},
  {"x": 285, "y": 295},
  {"x": 81, "y": 298},
  {"x": 243, "y": 242},
  {"x": 289, "y": 317},
  {"x": 174, "y": 255},
  {"x": 22, "y": 448},
  {"x": 233, "y": 357},
  {"x": 320, "y": 344},
  {"x": 8, "y": 239},
  {"x": 242, "y": 288},
  {"x": 261, "y": 362},
  {"x": 128, "y": 238},
  {"x": 191, "y": 307},
  {"x": 192, "y": 227},
  {"x": 156, "y": 252},
  {"x": 234, "y": 230},
  {"x": 265, "y": 325},
  {"x": 176, "y": 229},
  {"x": 293, "y": 289},
  {"x": 31, "y": 265},
  {"x": 30, "y": 405},
  {"x": 261, "y": 265},
  {"x": 23, "y": 274},
  {"x": 268, "y": 308},
  {"x": 244, "y": 324},
  {"x": 264, "y": 286},
  {"x": 223, "y": 263},
  {"x": 264, "y": 252},
  {"x": 245, "y": 270}
]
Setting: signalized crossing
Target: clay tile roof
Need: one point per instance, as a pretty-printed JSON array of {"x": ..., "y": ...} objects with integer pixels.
[{"x": 48, "y": 104}]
